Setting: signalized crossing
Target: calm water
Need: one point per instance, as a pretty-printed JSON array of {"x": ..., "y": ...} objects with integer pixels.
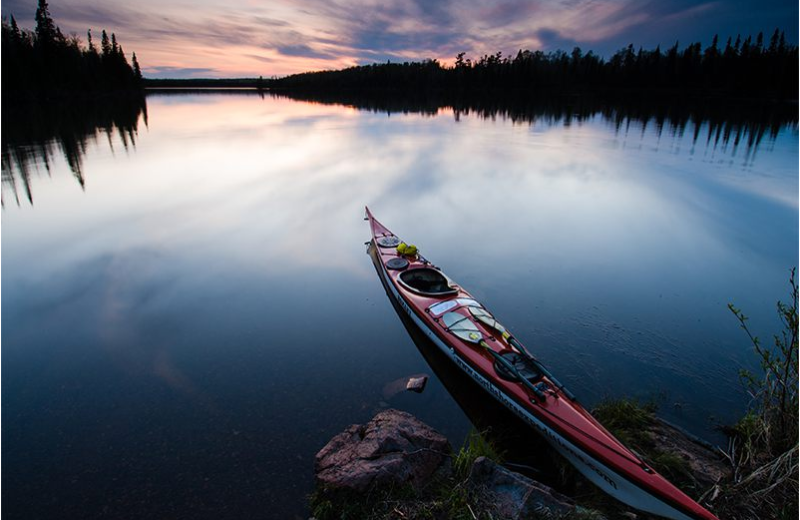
[{"x": 189, "y": 314}]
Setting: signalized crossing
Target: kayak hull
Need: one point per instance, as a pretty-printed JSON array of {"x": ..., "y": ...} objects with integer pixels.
[{"x": 650, "y": 492}]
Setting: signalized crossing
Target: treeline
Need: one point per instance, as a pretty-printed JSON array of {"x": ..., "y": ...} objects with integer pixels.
[
  {"x": 741, "y": 67},
  {"x": 206, "y": 83},
  {"x": 44, "y": 62}
]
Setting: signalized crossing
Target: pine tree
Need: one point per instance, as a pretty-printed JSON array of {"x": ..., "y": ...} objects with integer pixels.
[
  {"x": 92, "y": 49},
  {"x": 105, "y": 45},
  {"x": 45, "y": 26},
  {"x": 137, "y": 72},
  {"x": 15, "y": 34}
]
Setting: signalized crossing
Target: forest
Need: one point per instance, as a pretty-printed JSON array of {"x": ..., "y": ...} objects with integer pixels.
[
  {"x": 749, "y": 67},
  {"x": 46, "y": 63}
]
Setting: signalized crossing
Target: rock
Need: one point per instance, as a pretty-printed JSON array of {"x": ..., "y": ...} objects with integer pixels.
[
  {"x": 706, "y": 464},
  {"x": 392, "y": 388},
  {"x": 515, "y": 496},
  {"x": 417, "y": 384},
  {"x": 393, "y": 448}
]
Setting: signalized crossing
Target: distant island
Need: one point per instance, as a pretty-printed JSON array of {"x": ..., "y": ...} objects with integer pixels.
[{"x": 44, "y": 63}]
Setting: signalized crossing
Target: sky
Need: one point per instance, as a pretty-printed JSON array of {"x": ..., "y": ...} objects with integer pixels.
[{"x": 250, "y": 38}]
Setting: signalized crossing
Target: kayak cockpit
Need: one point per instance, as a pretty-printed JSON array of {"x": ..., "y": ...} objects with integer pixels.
[
  {"x": 427, "y": 282},
  {"x": 524, "y": 367}
]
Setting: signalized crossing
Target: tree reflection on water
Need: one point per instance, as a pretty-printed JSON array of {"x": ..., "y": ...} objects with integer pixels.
[{"x": 35, "y": 134}]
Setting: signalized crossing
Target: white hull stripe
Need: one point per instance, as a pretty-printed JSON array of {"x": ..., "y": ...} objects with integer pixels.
[{"x": 605, "y": 478}]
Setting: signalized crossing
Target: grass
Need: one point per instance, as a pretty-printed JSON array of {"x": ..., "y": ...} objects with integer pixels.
[
  {"x": 631, "y": 421},
  {"x": 476, "y": 445},
  {"x": 628, "y": 420},
  {"x": 763, "y": 444}
]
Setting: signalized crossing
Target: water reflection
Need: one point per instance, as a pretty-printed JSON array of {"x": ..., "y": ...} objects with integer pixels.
[
  {"x": 712, "y": 124},
  {"x": 35, "y": 134},
  {"x": 202, "y": 318}
]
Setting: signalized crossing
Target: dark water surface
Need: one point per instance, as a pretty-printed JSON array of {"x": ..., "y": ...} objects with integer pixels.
[{"x": 189, "y": 314}]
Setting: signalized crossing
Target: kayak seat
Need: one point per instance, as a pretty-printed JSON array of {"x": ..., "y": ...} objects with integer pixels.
[
  {"x": 427, "y": 281},
  {"x": 523, "y": 365}
]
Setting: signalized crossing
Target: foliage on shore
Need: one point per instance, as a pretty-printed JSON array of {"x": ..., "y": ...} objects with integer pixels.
[
  {"x": 631, "y": 421},
  {"x": 746, "y": 67},
  {"x": 763, "y": 446},
  {"x": 45, "y": 62}
]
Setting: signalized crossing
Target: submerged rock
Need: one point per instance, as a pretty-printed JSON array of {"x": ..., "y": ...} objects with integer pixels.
[{"x": 394, "y": 448}]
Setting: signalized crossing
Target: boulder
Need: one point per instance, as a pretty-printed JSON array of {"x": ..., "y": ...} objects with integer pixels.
[
  {"x": 394, "y": 448},
  {"x": 514, "y": 496}
]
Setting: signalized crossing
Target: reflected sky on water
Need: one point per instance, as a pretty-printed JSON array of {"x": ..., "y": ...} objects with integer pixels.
[{"x": 187, "y": 328}]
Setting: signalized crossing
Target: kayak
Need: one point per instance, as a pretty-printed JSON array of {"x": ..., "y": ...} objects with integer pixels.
[{"x": 469, "y": 335}]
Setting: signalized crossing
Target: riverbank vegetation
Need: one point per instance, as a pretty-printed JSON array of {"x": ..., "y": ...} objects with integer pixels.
[
  {"x": 750, "y": 67},
  {"x": 44, "y": 63},
  {"x": 763, "y": 446}
]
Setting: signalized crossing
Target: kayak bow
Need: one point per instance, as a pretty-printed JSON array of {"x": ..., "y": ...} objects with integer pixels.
[{"x": 472, "y": 338}]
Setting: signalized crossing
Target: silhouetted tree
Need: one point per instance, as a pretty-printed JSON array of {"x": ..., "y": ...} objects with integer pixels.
[
  {"x": 742, "y": 69},
  {"x": 105, "y": 44},
  {"x": 46, "y": 32},
  {"x": 137, "y": 71},
  {"x": 45, "y": 62}
]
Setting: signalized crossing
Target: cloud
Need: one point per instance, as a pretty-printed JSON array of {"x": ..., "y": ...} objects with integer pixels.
[
  {"x": 286, "y": 36},
  {"x": 260, "y": 58},
  {"x": 304, "y": 51},
  {"x": 179, "y": 72},
  {"x": 551, "y": 39}
]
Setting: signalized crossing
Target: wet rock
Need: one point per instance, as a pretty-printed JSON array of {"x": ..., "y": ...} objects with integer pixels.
[
  {"x": 392, "y": 388},
  {"x": 417, "y": 384},
  {"x": 515, "y": 496},
  {"x": 706, "y": 463},
  {"x": 393, "y": 448}
]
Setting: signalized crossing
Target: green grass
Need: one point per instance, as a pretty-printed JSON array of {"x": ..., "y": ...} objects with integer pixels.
[
  {"x": 628, "y": 420},
  {"x": 475, "y": 445}
]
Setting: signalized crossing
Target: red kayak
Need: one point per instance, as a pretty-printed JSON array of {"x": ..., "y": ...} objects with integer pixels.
[{"x": 468, "y": 334}]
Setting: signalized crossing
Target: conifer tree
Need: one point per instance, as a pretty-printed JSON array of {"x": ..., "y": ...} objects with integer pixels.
[
  {"x": 45, "y": 26},
  {"x": 137, "y": 71},
  {"x": 105, "y": 45}
]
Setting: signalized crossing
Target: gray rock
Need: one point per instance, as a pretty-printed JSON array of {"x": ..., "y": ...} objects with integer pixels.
[
  {"x": 417, "y": 384},
  {"x": 393, "y": 448},
  {"x": 515, "y": 496},
  {"x": 392, "y": 388},
  {"x": 706, "y": 463}
]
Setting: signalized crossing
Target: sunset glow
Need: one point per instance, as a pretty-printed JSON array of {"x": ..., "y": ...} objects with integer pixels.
[{"x": 248, "y": 38}]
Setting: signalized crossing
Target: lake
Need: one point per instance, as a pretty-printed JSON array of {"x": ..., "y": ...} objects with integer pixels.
[{"x": 189, "y": 314}]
